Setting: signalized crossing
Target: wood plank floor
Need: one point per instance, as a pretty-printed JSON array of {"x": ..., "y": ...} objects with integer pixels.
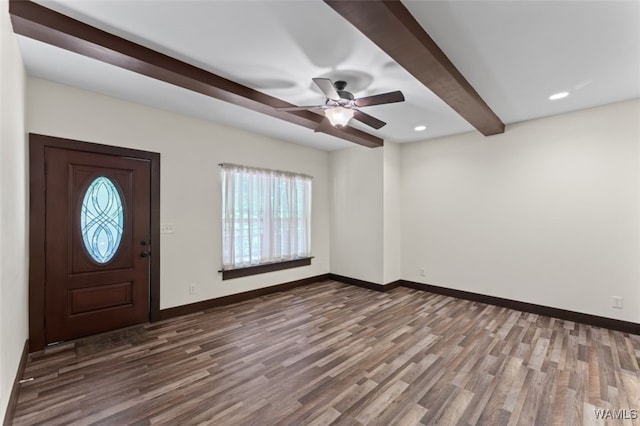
[{"x": 333, "y": 353}]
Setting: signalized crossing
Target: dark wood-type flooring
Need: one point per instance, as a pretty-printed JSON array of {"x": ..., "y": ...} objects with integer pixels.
[{"x": 333, "y": 353}]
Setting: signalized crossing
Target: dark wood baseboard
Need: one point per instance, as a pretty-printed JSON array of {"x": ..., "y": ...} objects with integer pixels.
[
  {"x": 15, "y": 390},
  {"x": 238, "y": 297},
  {"x": 365, "y": 284},
  {"x": 594, "y": 320}
]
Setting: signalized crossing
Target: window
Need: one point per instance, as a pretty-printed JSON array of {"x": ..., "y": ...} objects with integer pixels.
[{"x": 266, "y": 218}]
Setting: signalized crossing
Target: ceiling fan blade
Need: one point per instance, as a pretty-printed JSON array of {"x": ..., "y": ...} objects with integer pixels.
[
  {"x": 327, "y": 88},
  {"x": 384, "y": 98},
  {"x": 299, "y": 108},
  {"x": 324, "y": 125},
  {"x": 368, "y": 119}
]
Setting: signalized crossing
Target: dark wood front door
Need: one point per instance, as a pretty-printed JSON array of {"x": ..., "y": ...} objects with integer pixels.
[{"x": 97, "y": 243}]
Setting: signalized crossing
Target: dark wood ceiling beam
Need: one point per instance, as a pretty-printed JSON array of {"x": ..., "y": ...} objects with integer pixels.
[
  {"x": 392, "y": 27},
  {"x": 43, "y": 24}
]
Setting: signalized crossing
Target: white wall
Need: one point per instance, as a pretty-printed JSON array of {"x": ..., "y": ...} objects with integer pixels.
[
  {"x": 547, "y": 213},
  {"x": 13, "y": 209},
  {"x": 365, "y": 213},
  {"x": 392, "y": 245},
  {"x": 357, "y": 213},
  {"x": 190, "y": 180}
]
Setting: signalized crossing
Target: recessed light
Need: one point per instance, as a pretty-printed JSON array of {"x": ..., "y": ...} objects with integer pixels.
[
  {"x": 559, "y": 95},
  {"x": 419, "y": 128}
]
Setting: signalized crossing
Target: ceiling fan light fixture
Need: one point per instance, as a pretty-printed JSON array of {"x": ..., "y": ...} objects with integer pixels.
[{"x": 339, "y": 116}]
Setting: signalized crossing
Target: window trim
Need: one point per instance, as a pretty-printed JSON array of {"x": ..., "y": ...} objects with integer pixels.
[{"x": 229, "y": 274}]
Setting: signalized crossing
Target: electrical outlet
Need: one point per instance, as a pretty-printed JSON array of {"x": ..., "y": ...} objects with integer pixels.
[
  {"x": 422, "y": 272},
  {"x": 193, "y": 289},
  {"x": 167, "y": 228},
  {"x": 616, "y": 302}
]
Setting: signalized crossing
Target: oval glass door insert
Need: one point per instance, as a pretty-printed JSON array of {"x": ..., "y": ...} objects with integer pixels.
[{"x": 102, "y": 220}]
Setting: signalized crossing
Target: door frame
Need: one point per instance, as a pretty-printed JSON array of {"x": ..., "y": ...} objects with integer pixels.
[{"x": 38, "y": 145}]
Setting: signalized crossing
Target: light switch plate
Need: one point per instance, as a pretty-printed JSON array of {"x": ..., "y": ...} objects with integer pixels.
[{"x": 167, "y": 228}]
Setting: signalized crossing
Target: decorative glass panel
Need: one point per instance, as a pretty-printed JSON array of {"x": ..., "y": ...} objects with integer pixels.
[{"x": 102, "y": 219}]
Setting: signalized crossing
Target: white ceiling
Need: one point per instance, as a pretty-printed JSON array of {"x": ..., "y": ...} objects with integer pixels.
[{"x": 514, "y": 53}]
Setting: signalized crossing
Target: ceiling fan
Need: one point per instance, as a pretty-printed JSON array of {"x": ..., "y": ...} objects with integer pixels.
[{"x": 341, "y": 105}]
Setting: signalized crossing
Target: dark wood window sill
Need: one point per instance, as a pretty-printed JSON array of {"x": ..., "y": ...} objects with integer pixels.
[{"x": 267, "y": 267}]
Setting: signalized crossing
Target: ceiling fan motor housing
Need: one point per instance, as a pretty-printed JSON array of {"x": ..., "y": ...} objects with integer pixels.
[{"x": 340, "y": 86}]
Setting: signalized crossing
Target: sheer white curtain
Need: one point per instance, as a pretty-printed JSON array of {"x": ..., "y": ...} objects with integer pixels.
[{"x": 266, "y": 216}]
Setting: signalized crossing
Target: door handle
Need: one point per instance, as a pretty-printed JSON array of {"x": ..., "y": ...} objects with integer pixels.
[{"x": 145, "y": 254}]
